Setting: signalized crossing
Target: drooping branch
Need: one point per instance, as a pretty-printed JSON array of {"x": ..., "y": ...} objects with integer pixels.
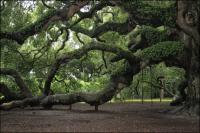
[
  {"x": 143, "y": 57},
  {"x": 135, "y": 18},
  {"x": 18, "y": 79},
  {"x": 77, "y": 54},
  {"x": 121, "y": 28},
  {"x": 55, "y": 15},
  {"x": 118, "y": 80}
]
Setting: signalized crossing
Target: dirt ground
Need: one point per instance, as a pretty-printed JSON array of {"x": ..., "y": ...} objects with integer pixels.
[{"x": 111, "y": 117}]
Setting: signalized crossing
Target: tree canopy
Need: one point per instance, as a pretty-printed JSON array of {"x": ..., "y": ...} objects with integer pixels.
[{"x": 63, "y": 52}]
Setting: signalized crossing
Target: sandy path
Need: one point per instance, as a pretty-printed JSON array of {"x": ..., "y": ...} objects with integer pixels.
[{"x": 115, "y": 117}]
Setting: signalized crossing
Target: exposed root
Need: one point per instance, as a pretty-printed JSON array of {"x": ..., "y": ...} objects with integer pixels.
[
  {"x": 188, "y": 109},
  {"x": 177, "y": 102}
]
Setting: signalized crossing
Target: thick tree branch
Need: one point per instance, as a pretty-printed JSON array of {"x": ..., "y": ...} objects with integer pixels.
[
  {"x": 77, "y": 54},
  {"x": 117, "y": 82},
  {"x": 62, "y": 14},
  {"x": 19, "y": 81},
  {"x": 93, "y": 10},
  {"x": 121, "y": 28},
  {"x": 33, "y": 101}
]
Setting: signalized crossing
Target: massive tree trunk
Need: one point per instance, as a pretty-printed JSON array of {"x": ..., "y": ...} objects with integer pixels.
[{"x": 188, "y": 22}]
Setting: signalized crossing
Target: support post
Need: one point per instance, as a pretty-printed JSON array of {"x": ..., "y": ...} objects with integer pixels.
[
  {"x": 96, "y": 108},
  {"x": 70, "y": 107},
  {"x": 151, "y": 86},
  {"x": 161, "y": 94},
  {"x": 142, "y": 89},
  {"x": 161, "y": 80}
]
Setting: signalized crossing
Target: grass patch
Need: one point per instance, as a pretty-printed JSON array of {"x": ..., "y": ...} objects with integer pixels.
[{"x": 145, "y": 100}]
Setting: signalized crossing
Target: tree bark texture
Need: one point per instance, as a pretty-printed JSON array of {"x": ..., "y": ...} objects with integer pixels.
[{"x": 188, "y": 22}]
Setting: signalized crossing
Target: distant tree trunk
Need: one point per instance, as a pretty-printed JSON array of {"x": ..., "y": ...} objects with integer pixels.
[
  {"x": 161, "y": 94},
  {"x": 96, "y": 108},
  {"x": 188, "y": 22},
  {"x": 161, "y": 81},
  {"x": 162, "y": 89}
]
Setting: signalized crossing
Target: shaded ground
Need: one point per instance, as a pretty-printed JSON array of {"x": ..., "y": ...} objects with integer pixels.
[{"x": 112, "y": 117}]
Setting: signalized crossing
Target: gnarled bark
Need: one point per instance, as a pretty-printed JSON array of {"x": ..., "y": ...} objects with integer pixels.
[
  {"x": 188, "y": 22},
  {"x": 188, "y": 18}
]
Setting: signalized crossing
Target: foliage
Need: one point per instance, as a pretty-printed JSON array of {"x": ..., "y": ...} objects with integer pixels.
[
  {"x": 162, "y": 50},
  {"x": 159, "y": 11},
  {"x": 173, "y": 77},
  {"x": 34, "y": 58},
  {"x": 152, "y": 35}
]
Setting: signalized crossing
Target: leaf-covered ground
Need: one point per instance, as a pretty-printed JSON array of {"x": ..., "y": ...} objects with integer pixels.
[{"x": 111, "y": 117}]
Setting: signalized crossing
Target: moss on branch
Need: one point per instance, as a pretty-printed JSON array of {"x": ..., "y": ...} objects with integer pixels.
[
  {"x": 78, "y": 53},
  {"x": 162, "y": 50},
  {"x": 43, "y": 23}
]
